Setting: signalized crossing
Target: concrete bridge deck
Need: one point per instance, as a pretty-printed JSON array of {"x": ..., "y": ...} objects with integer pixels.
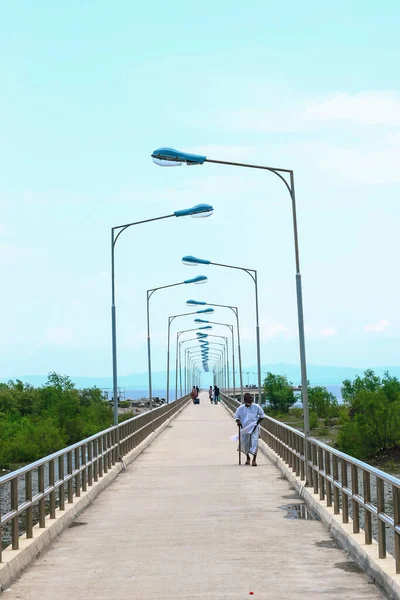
[{"x": 184, "y": 521}]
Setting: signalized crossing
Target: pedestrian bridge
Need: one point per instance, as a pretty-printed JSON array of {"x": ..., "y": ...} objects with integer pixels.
[{"x": 178, "y": 518}]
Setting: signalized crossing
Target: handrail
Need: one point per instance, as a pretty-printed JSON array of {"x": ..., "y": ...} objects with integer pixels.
[
  {"x": 342, "y": 481},
  {"x": 32, "y": 489}
]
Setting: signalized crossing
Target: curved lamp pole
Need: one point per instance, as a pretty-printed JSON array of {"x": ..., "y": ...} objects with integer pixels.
[
  {"x": 199, "y": 279},
  {"x": 186, "y": 386},
  {"x": 225, "y": 347},
  {"x": 193, "y": 261},
  {"x": 235, "y": 310},
  {"x": 191, "y": 353},
  {"x": 178, "y": 345},
  {"x": 204, "y": 210},
  {"x": 192, "y": 356},
  {"x": 180, "y": 354},
  {"x": 194, "y": 346},
  {"x": 233, "y": 348},
  {"x": 170, "y": 319},
  {"x": 171, "y": 156}
]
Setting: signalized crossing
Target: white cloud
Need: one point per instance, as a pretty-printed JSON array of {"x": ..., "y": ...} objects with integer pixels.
[
  {"x": 302, "y": 114},
  {"x": 328, "y": 332},
  {"x": 375, "y": 165},
  {"x": 57, "y": 336},
  {"x": 364, "y": 108},
  {"x": 378, "y": 326},
  {"x": 9, "y": 253}
]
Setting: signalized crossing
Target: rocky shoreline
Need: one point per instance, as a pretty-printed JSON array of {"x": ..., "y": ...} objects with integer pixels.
[{"x": 139, "y": 406}]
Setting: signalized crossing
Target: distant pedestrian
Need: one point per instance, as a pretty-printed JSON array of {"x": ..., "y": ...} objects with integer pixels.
[
  {"x": 216, "y": 394},
  {"x": 193, "y": 394},
  {"x": 249, "y": 416},
  {"x": 210, "y": 394},
  {"x": 197, "y": 390}
]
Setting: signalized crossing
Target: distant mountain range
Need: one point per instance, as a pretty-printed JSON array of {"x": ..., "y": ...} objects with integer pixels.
[{"x": 317, "y": 375}]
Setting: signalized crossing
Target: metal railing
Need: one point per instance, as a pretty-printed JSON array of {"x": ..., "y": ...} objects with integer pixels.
[
  {"x": 355, "y": 489},
  {"x": 34, "y": 491}
]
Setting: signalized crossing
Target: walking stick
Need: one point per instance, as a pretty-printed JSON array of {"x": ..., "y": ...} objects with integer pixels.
[{"x": 240, "y": 447}]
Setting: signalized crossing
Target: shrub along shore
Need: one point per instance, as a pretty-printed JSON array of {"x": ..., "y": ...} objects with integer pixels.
[
  {"x": 36, "y": 421},
  {"x": 365, "y": 426}
]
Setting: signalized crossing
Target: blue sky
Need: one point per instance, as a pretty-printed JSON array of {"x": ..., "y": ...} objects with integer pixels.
[{"x": 89, "y": 89}]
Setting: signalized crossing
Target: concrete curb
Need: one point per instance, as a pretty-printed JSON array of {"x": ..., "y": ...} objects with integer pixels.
[
  {"x": 381, "y": 570},
  {"x": 16, "y": 561}
]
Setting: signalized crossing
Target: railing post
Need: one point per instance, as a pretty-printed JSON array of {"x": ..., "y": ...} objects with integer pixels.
[
  {"x": 367, "y": 514},
  {"x": 42, "y": 513},
  {"x": 380, "y": 500},
  {"x": 61, "y": 490},
  {"x": 70, "y": 482},
  {"x": 29, "y": 510},
  {"x": 52, "y": 481},
  {"x": 328, "y": 483},
  {"x": 14, "y": 506},
  {"x": 356, "y": 507},
  {"x": 335, "y": 466},
  {"x": 396, "y": 518},
  {"x": 345, "y": 498}
]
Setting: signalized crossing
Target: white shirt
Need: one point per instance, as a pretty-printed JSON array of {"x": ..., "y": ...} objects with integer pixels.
[{"x": 250, "y": 414}]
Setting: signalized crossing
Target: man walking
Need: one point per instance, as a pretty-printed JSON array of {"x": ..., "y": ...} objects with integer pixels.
[
  {"x": 249, "y": 416},
  {"x": 216, "y": 394}
]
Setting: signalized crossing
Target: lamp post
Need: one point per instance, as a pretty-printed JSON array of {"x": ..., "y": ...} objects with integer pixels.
[
  {"x": 204, "y": 210},
  {"x": 188, "y": 349},
  {"x": 170, "y": 319},
  {"x": 233, "y": 349},
  {"x": 235, "y": 310},
  {"x": 191, "y": 355},
  {"x": 179, "y": 352},
  {"x": 169, "y": 155},
  {"x": 199, "y": 279},
  {"x": 226, "y": 361},
  {"x": 178, "y": 334},
  {"x": 193, "y": 261}
]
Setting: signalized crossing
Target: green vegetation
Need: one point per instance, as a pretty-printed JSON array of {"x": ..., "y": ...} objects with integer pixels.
[
  {"x": 366, "y": 425},
  {"x": 322, "y": 402},
  {"x": 371, "y": 424},
  {"x": 278, "y": 393},
  {"x": 37, "y": 421}
]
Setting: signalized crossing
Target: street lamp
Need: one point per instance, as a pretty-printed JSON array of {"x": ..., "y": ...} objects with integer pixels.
[
  {"x": 235, "y": 310},
  {"x": 178, "y": 354},
  {"x": 170, "y": 319},
  {"x": 188, "y": 350},
  {"x": 226, "y": 384},
  {"x": 233, "y": 349},
  {"x": 198, "y": 279},
  {"x": 169, "y": 155},
  {"x": 193, "y": 261},
  {"x": 203, "y": 210}
]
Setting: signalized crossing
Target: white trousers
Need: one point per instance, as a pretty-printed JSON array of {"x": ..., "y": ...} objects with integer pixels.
[{"x": 249, "y": 442}]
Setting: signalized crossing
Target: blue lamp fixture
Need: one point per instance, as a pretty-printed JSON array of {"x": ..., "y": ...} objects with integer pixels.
[
  {"x": 168, "y": 157},
  {"x": 200, "y": 210},
  {"x": 192, "y": 261},
  {"x": 198, "y": 279},
  {"x": 195, "y": 303},
  {"x": 205, "y": 310},
  {"x": 201, "y": 321},
  {"x": 206, "y": 327}
]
